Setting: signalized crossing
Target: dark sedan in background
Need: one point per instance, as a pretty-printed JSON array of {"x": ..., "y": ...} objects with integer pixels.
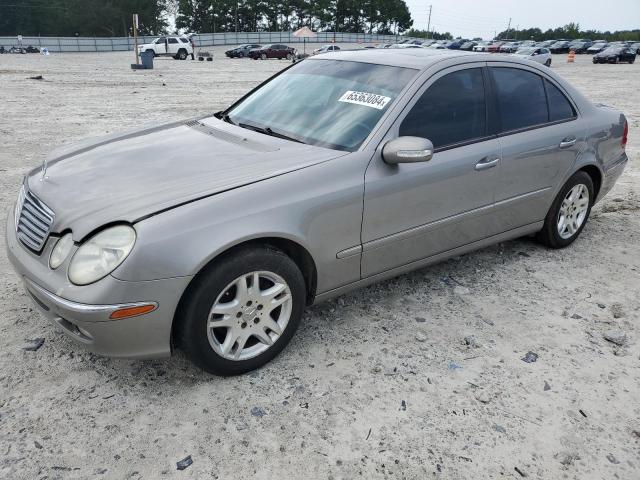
[
  {"x": 241, "y": 51},
  {"x": 597, "y": 47},
  {"x": 275, "y": 50},
  {"x": 560, "y": 47},
  {"x": 615, "y": 55}
]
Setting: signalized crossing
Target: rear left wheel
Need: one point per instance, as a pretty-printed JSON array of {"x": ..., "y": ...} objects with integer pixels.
[
  {"x": 569, "y": 212},
  {"x": 182, "y": 54},
  {"x": 242, "y": 311}
]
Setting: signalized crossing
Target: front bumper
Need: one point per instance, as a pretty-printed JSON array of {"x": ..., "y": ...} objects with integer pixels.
[{"x": 83, "y": 312}]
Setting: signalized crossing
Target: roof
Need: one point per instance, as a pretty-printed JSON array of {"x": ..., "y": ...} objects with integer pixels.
[{"x": 418, "y": 58}]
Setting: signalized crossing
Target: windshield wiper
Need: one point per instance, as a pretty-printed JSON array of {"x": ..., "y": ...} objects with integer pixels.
[
  {"x": 224, "y": 117},
  {"x": 268, "y": 131}
]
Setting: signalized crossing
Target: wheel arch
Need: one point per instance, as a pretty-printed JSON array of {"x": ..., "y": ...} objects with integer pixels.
[
  {"x": 294, "y": 250},
  {"x": 596, "y": 177}
]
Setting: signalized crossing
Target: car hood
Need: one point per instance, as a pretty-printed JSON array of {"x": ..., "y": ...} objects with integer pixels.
[{"x": 128, "y": 177}]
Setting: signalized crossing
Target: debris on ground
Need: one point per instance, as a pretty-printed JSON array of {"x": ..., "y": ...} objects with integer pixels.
[
  {"x": 530, "y": 357},
  {"x": 471, "y": 341},
  {"x": 36, "y": 343},
  {"x": 37, "y": 77},
  {"x": 403, "y": 405},
  {"x": 258, "y": 412},
  {"x": 421, "y": 337},
  {"x": 483, "y": 397},
  {"x": 454, "y": 366},
  {"x": 616, "y": 336},
  {"x": 547, "y": 387},
  {"x": 612, "y": 459},
  {"x": 499, "y": 428},
  {"x": 184, "y": 463}
]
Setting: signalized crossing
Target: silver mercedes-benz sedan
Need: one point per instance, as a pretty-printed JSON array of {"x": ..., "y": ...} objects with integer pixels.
[{"x": 212, "y": 235}]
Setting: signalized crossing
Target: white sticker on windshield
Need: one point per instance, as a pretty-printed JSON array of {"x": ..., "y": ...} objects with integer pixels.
[{"x": 365, "y": 99}]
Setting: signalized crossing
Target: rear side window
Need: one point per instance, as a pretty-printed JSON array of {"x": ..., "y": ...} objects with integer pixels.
[
  {"x": 559, "y": 106},
  {"x": 173, "y": 40},
  {"x": 451, "y": 111},
  {"x": 521, "y": 98},
  {"x": 184, "y": 40}
]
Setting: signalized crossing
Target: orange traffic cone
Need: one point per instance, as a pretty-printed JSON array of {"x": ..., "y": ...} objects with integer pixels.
[{"x": 572, "y": 56}]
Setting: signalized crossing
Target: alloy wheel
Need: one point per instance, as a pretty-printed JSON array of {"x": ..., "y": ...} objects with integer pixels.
[
  {"x": 249, "y": 315},
  {"x": 573, "y": 211}
]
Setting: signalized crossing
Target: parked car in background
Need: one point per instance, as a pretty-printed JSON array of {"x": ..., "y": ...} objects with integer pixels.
[
  {"x": 579, "y": 47},
  {"x": 560, "y": 47},
  {"x": 274, "y": 50},
  {"x": 456, "y": 44},
  {"x": 439, "y": 45},
  {"x": 177, "y": 47},
  {"x": 241, "y": 51},
  {"x": 540, "y": 55},
  {"x": 32, "y": 49},
  {"x": 384, "y": 45},
  {"x": 545, "y": 43},
  {"x": 468, "y": 46},
  {"x": 330, "y": 48},
  {"x": 429, "y": 42},
  {"x": 481, "y": 46},
  {"x": 597, "y": 47},
  {"x": 636, "y": 47},
  {"x": 494, "y": 47},
  {"x": 615, "y": 55},
  {"x": 509, "y": 47},
  {"x": 213, "y": 235}
]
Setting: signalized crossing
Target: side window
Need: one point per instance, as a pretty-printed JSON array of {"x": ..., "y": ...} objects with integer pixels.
[
  {"x": 520, "y": 97},
  {"x": 559, "y": 107},
  {"x": 173, "y": 40},
  {"x": 184, "y": 40},
  {"x": 452, "y": 110}
]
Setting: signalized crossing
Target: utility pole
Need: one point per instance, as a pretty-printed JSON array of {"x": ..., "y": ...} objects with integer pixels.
[
  {"x": 508, "y": 27},
  {"x": 429, "y": 22}
]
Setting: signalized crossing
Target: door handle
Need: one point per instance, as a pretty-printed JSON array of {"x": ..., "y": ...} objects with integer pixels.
[
  {"x": 487, "y": 162},
  {"x": 568, "y": 142}
]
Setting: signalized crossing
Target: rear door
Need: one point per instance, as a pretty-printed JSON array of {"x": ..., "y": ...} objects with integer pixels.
[
  {"x": 540, "y": 135},
  {"x": 416, "y": 210},
  {"x": 173, "y": 46}
]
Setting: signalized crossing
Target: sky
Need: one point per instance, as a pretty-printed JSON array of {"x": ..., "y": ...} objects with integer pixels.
[{"x": 481, "y": 18}]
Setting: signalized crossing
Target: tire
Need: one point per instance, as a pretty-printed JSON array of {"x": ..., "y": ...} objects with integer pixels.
[
  {"x": 555, "y": 233},
  {"x": 289, "y": 56},
  {"x": 263, "y": 56},
  {"x": 548, "y": 62},
  {"x": 152, "y": 51},
  {"x": 218, "y": 285},
  {"x": 182, "y": 54}
]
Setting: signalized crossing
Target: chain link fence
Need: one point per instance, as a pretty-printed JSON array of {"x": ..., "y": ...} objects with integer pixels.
[{"x": 114, "y": 44}]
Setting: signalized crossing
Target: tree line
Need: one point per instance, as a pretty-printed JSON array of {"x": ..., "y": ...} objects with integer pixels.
[
  {"x": 569, "y": 31},
  {"x": 105, "y": 18},
  {"x": 67, "y": 18},
  {"x": 114, "y": 17},
  {"x": 354, "y": 16}
]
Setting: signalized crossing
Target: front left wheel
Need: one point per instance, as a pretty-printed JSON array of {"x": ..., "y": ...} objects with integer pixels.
[{"x": 241, "y": 311}]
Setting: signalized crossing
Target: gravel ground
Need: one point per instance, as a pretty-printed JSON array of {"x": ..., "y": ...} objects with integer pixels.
[{"x": 376, "y": 384}]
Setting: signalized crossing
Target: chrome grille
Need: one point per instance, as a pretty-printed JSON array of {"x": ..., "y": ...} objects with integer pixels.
[{"x": 33, "y": 220}]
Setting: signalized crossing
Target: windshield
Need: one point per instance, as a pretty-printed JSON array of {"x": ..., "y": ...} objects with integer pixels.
[{"x": 329, "y": 103}]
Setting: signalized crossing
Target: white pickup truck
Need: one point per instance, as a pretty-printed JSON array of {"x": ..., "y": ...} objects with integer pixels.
[{"x": 177, "y": 47}]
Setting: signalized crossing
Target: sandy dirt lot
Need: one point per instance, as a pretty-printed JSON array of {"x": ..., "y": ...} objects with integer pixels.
[{"x": 376, "y": 384}]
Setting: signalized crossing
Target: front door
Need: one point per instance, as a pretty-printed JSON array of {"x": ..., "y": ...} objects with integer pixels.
[{"x": 416, "y": 210}]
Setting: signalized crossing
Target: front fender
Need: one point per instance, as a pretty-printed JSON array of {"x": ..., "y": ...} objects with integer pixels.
[{"x": 319, "y": 208}]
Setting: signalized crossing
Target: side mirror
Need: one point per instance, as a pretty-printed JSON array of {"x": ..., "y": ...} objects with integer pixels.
[{"x": 407, "y": 150}]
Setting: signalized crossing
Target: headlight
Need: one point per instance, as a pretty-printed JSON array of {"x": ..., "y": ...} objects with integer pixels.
[
  {"x": 101, "y": 254},
  {"x": 61, "y": 251}
]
